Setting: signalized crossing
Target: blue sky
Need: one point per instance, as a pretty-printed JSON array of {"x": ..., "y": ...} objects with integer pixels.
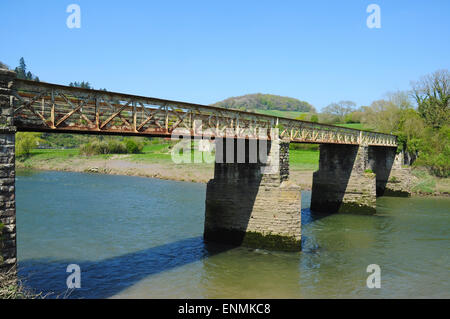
[{"x": 206, "y": 51}]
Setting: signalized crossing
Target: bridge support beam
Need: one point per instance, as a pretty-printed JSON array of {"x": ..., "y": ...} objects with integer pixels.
[
  {"x": 8, "y": 250},
  {"x": 345, "y": 182},
  {"x": 253, "y": 203}
]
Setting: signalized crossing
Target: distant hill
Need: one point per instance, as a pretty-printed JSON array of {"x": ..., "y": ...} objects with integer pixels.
[{"x": 265, "y": 102}]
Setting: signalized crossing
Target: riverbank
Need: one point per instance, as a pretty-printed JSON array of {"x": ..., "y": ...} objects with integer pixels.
[
  {"x": 12, "y": 288},
  {"x": 125, "y": 165},
  {"x": 156, "y": 162}
]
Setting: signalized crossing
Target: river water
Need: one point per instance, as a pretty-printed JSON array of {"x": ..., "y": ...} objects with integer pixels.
[{"x": 142, "y": 238}]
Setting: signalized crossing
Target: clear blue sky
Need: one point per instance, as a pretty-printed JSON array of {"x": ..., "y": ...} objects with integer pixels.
[{"x": 206, "y": 51}]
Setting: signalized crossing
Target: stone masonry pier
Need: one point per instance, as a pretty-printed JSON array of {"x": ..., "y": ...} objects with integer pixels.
[
  {"x": 8, "y": 261},
  {"x": 344, "y": 181},
  {"x": 253, "y": 204},
  {"x": 351, "y": 177}
]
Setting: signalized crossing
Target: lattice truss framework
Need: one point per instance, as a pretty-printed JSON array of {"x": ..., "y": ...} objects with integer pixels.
[{"x": 42, "y": 106}]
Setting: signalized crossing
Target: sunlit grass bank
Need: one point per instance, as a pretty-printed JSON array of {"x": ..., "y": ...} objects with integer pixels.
[
  {"x": 156, "y": 153},
  {"x": 301, "y": 159}
]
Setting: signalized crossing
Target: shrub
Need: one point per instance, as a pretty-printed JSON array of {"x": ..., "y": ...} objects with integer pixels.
[
  {"x": 438, "y": 164},
  {"x": 94, "y": 148},
  {"x": 116, "y": 147},
  {"x": 314, "y": 118},
  {"x": 132, "y": 146},
  {"x": 127, "y": 146}
]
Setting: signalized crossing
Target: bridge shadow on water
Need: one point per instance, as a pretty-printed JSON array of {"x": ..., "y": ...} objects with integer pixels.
[
  {"x": 105, "y": 278},
  {"x": 108, "y": 277}
]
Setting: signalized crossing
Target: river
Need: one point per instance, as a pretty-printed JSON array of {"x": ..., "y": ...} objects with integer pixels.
[{"x": 136, "y": 237}]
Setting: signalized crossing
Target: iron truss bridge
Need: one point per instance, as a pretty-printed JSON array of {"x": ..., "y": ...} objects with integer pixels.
[{"x": 45, "y": 107}]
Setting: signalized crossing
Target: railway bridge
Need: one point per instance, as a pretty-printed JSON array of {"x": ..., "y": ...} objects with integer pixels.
[{"x": 250, "y": 200}]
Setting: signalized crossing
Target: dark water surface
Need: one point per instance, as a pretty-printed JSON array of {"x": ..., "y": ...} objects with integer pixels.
[{"x": 141, "y": 238}]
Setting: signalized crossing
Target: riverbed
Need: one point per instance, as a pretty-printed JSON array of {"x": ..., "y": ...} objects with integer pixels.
[{"x": 135, "y": 237}]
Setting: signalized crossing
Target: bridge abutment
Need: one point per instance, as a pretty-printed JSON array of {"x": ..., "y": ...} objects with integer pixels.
[
  {"x": 345, "y": 181},
  {"x": 253, "y": 203},
  {"x": 8, "y": 250}
]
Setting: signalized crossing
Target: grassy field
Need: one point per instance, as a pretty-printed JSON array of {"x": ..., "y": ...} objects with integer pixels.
[
  {"x": 357, "y": 126},
  {"x": 289, "y": 114},
  {"x": 304, "y": 160}
]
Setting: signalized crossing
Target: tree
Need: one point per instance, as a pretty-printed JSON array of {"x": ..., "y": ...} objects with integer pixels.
[
  {"x": 21, "y": 69},
  {"x": 22, "y": 73},
  {"x": 383, "y": 116},
  {"x": 354, "y": 117},
  {"x": 26, "y": 141},
  {"x": 328, "y": 118},
  {"x": 410, "y": 133},
  {"x": 340, "y": 109},
  {"x": 82, "y": 84},
  {"x": 260, "y": 101},
  {"x": 432, "y": 95},
  {"x": 411, "y": 124},
  {"x": 400, "y": 98},
  {"x": 434, "y": 151}
]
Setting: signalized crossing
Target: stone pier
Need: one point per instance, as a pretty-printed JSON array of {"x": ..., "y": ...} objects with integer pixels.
[
  {"x": 345, "y": 182},
  {"x": 381, "y": 161},
  {"x": 252, "y": 202},
  {"x": 8, "y": 251}
]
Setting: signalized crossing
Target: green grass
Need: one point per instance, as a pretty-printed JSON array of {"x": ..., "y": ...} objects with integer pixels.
[
  {"x": 289, "y": 114},
  {"x": 155, "y": 153},
  {"x": 429, "y": 184},
  {"x": 357, "y": 126},
  {"x": 47, "y": 154},
  {"x": 304, "y": 160},
  {"x": 299, "y": 159},
  {"x": 152, "y": 152},
  {"x": 426, "y": 184}
]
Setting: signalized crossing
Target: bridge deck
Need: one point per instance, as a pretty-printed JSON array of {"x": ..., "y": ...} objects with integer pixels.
[{"x": 46, "y": 107}]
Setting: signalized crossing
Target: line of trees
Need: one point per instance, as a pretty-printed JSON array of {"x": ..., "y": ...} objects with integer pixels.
[
  {"x": 22, "y": 72},
  {"x": 419, "y": 117},
  {"x": 258, "y": 101}
]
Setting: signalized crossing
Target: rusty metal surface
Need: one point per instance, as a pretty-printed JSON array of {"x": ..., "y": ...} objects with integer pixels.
[{"x": 46, "y": 107}]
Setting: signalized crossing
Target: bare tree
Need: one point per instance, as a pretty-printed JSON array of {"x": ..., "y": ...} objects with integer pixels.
[
  {"x": 340, "y": 109},
  {"x": 382, "y": 115}
]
